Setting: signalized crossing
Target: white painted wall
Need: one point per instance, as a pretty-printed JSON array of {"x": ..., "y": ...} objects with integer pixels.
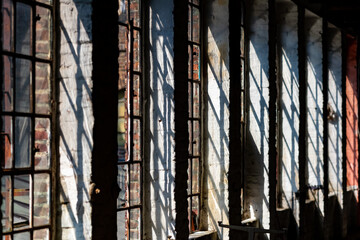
[
  {"x": 290, "y": 106},
  {"x": 76, "y": 119},
  {"x": 257, "y": 155},
  {"x": 162, "y": 126},
  {"x": 217, "y": 110},
  {"x": 315, "y": 161},
  {"x": 335, "y": 101}
]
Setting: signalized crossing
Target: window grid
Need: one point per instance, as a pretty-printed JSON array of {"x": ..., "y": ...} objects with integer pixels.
[
  {"x": 194, "y": 118},
  {"x": 26, "y": 209},
  {"x": 130, "y": 122}
]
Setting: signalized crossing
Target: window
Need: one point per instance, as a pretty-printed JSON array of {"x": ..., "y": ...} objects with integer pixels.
[
  {"x": 130, "y": 157},
  {"x": 194, "y": 118},
  {"x": 26, "y": 118}
]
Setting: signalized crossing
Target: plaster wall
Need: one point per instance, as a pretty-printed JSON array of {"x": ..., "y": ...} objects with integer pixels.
[
  {"x": 75, "y": 118},
  {"x": 289, "y": 105},
  {"x": 257, "y": 158},
  {"x": 315, "y": 159},
  {"x": 161, "y": 169},
  {"x": 216, "y": 133}
]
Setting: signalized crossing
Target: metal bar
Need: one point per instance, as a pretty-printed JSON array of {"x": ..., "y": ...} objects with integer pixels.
[
  {"x": 27, "y": 57},
  {"x": 302, "y": 116},
  {"x": 22, "y": 114}
]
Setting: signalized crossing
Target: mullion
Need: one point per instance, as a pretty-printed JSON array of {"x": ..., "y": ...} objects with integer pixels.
[
  {"x": 33, "y": 110},
  {"x": 24, "y": 114}
]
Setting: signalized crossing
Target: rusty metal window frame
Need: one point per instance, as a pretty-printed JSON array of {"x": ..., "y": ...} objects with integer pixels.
[
  {"x": 193, "y": 43},
  {"x": 133, "y": 28},
  {"x": 32, "y": 115}
]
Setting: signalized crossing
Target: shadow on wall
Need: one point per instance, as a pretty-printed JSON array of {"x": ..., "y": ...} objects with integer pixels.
[
  {"x": 216, "y": 112},
  {"x": 159, "y": 175},
  {"x": 75, "y": 125}
]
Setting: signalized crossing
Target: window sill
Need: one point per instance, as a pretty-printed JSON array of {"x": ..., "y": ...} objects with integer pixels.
[{"x": 202, "y": 235}]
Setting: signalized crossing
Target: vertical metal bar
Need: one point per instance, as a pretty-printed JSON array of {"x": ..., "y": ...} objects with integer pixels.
[
  {"x": 33, "y": 110},
  {"x": 272, "y": 114},
  {"x": 191, "y": 122},
  {"x": 344, "y": 120},
  {"x": 235, "y": 141},
  {"x": 302, "y": 117},
  {"x": 325, "y": 74}
]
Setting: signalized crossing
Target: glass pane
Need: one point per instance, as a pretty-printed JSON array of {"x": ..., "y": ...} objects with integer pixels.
[
  {"x": 196, "y": 138},
  {"x": 197, "y": 2},
  {"x": 21, "y": 201},
  {"x": 190, "y": 100},
  {"x": 6, "y": 237},
  {"x": 123, "y": 180},
  {"x": 137, "y": 140},
  {"x": 190, "y": 137},
  {"x": 123, "y": 55},
  {"x": 23, "y": 85},
  {"x": 22, "y": 142},
  {"x": 123, "y": 11},
  {"x": 45, "y": 1},
  {"x": 23, "y": 28},
  {"x": 8, "y": 25},
  {"x": 189, "y": 177},
  {"x": 136, "y": 51},
  {"x": 195, "y": 175},
  {"x": 196, "y": 25},
  {"x": 196, "y": 100},
  {"x": 189, "y": 62},
  {"x": 43, "y": 33},
  {"x": 189, "y": 23},
  {"x": 6, "y": 203},
  {"x": 41, "y": 199},
  {"x": 6, "y": 141},
  {"x": 135, "y": 184},
  {"x": 196, "y": 63},
  {"x": 135, "y": 223},
  {"x": 7, "y": 84},
  {"x": 42, "y": 88},
  {"x": 42, "y": 234},
  {"x": 195, "y": 214},
  {"x": 122, "y": 225},
  {"x": 242, "y": 42},
  {"x": 135, "y": 12},
  {"x": 121, "y": 127},
  {"x": 22, "y": 236},
  {"x": 42, "y": 143},
  {"x": 137, "y": 96}
]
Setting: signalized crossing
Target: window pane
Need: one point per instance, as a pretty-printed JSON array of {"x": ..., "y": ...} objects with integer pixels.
[
  {"x": 8, "y": 26},
  {"x": 123, "y": 180},
  {"x": 122, "y": 225},
  {"x": 42, "y": 143},
  {"x": 6, "y": 142},
  {"x": 195, "y": 213},
  {"x": 135, "y": 223},
  {"x": 190, "y": 137},
  {"x": 123, "y": 11},
  {"x": 189, "y": 62},
  {"x": 22, "y": 236},
  {"x": 23, "y": 28},
  {"x": 41, "y": 199},
  {"x": 135, "y": 189},
  {"x": 135, "y": 12},
  {"x": 189, "y": 23},
  {"x": 196, "y": 25},
  {"x": 23, "y": 85},
  {"x": 42, "y": 234},
  {"x": 136, "y": 140},
  {"x": 8, "y": 84},
  {"x": 21, "y": 201},
  {"x": 123, "y": 55},
  {"x": 6, "y": 203},
  {"x": 196, "y": 138},
  {"x": 196, "y": 63},
  {"x": 45, "y": 1},
  {"x": 137, "y": 96},
  {"x": 136, "y": 51},
  {"x": 195, "y": 175},
  {"x": 42, "y": 88},
  {"x": 189, "y": 182},
  {"x": 196, "y": 100},
  {"x": 43, "y": 33},
  {"x": 22, "y": 142},
  {"x": 190, "y": 100},
  {"x": 7, "y": 237}
]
